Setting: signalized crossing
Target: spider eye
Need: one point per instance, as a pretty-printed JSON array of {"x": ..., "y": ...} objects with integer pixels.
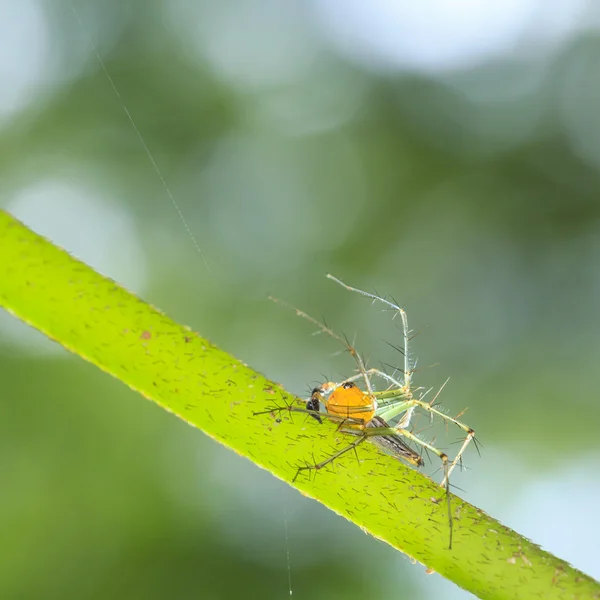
[{"x": 348, "y": 385}]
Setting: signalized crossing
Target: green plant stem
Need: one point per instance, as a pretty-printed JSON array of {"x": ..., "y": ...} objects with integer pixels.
[{"x": 103, "y": 323}]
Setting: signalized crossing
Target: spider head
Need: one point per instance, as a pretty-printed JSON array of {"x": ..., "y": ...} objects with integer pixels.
[{"x": 314, "y": 403}]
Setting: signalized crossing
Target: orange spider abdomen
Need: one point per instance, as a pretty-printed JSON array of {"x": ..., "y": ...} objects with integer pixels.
[{"x": 349, "y": 401}]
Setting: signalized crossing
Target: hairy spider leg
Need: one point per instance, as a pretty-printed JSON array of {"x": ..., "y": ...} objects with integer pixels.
[
  {"x": 400, "y": 398},
  {"x": 327, "y": 330},
  {"x": 352, "y": 408},
  {"x": 360, "y": 416},
  {"x": 410, "y": 403}
]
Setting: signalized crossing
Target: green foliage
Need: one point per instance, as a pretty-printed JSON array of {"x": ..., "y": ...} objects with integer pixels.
[{"x": 95, "y": 318}]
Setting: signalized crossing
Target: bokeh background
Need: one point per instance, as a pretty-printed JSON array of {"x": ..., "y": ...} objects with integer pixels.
[{"x": 445, "y": 152}]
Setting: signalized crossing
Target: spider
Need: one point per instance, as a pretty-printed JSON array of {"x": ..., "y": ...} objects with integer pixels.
[{"x": 368, "y": 413}]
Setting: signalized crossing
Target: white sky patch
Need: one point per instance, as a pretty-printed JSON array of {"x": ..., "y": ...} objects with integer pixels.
[
  {"x": 558, "y": 511},
  {"x": 436, "y": 36},
  {"x": 24, "y": 48},
  {"x": 76, "y": 218}
]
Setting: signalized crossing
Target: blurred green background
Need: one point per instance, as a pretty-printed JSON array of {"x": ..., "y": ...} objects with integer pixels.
[{"x": 445, "y": 154}]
